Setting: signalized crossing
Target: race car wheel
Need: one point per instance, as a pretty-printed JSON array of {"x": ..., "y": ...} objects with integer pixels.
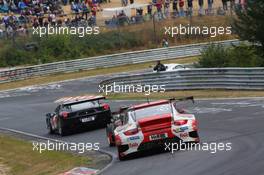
[
  {"x": 110, "y": 135},
  {"x": 110, "y": 140},
  {"x": 48, "y": 121},
  {"x": 120, "y": 155},
  {"x": 61, "y": 130},
  {"x": 51, "y": 131}
]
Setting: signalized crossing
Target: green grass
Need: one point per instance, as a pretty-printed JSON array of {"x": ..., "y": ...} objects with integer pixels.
[{"x": 18, "y": 156}]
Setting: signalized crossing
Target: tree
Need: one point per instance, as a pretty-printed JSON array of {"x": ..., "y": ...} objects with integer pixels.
[{"x": 249, "y": 23}]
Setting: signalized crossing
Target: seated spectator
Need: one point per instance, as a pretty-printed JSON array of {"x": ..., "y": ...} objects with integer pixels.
[
  {"x": 150, "y": 8},
  {"x": 85, "y": 10},
  {"x": 4, "y": 7},
  {"x": 22, "y": 5},
  {"x": 74, "y": 7},
  {"x": 220, "y": 11}
]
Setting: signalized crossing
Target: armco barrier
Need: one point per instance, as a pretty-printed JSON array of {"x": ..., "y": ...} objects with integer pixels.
[
  {"x": 202, "y": 78},
  {"x": 108, "y": 61}
]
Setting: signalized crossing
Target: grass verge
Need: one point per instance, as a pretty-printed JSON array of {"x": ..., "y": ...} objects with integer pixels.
[
  {"x": 80, "y": 74},
  {"x": 196, "y": 93},
  {"x": 19, "y": 158}
]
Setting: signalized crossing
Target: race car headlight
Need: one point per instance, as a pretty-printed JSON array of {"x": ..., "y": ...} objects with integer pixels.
[{"x": 131, "y": 132}]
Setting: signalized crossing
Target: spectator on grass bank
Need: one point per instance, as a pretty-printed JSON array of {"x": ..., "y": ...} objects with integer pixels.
[
  {"x": 201, "y": 4},
  {"x": 93, "y": 18},
  {"x": 224, "y": 2},
  {"x": 124, "y": 2},
  {"x": 167, "y": 8},
  {"x": 181, "y": 5},
  {"x": 165, "y": 43},
  {"x": 149, "y": 8},
  {"x": 190, "y": 7},
  {"x": 159, "y": 7},
  {"x": 175, "y": 8},
  {"x": 210, "y": 6}
]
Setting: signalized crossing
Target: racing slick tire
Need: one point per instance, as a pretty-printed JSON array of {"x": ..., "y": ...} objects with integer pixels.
[
  {"x": 110, "y": 134},
  {"x": 120, "y": 156},
  {"x": 61, "y": 129},
  {"x": 51, "y": 131}
]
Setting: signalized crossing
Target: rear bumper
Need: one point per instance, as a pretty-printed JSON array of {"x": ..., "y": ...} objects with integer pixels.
[
  {"x": 125, "y": 149},
  {"x": 101, "y": 119}
]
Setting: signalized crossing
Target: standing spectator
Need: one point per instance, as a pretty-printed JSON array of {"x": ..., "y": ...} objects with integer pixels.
[
  {"x": 210, "y": 6},
  {"x": 149, "y": 8},
  {"x": 201, "y": 4},
  {"x": 224, "y": 5},
  {"x": 93, "y": 15},
  {"x": 21, "y": 5},
  {"x": 159, "y": 7},
  {"x": 232, "y": 4},
  {"x": 190, "y": 7},
  {"x": 167, "y": 8},
  {"x": 181, "y": 5},
  {"x": 124, "y": 2},
  {"x": 175, "y": 8},
  {"x": 85, "y": 10},
  {"x": 165, "y": 43}
]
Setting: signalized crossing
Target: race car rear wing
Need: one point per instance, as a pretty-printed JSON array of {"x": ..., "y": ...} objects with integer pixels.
[
  {"x": 182, "y": 99},
  {"x": 79, "y": 99}
]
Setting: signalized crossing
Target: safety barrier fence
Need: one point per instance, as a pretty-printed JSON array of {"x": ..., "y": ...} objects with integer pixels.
[
  {"x": 108, "y": 61},
  {"x": 200, "y": 78}
]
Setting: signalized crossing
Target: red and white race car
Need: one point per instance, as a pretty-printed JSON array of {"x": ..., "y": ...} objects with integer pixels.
[{"x": 153, "y": 124}]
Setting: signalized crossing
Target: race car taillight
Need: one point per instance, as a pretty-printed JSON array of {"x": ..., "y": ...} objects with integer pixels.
[
  {"x": 180, "y": 122},
  {"x": 106, "y": 107},
  {"x": 64, "y": 114},
  {"x": 195, "y": 125},
  {"x": 131, "y": 132}
]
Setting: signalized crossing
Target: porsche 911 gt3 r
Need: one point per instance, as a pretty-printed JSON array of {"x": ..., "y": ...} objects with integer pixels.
[
  {"x": 154, "y": 124},
  {"x": 78, "y": 112}
]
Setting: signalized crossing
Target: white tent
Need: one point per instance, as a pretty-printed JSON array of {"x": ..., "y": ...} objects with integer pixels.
[{"x": 110, "y": 12}]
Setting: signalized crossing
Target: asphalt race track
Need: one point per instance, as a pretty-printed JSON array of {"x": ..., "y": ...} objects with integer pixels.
[{"x": 238, "y": 121}]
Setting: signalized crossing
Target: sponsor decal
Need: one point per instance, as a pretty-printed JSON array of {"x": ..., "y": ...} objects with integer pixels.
[
  {"x": 181, "y": 129},
  {"x": 133, "y": 144},
  {"x": 134, "y": 138},
  {"x": 184, "y": 135}
]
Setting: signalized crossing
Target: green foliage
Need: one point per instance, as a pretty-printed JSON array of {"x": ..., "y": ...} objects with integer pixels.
[
  {"x": 239, "y": 56},
  {"x": 214, "y": 56},
  {"x": 65, "y": 47},
  {"x": 249, "y": 23}
]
